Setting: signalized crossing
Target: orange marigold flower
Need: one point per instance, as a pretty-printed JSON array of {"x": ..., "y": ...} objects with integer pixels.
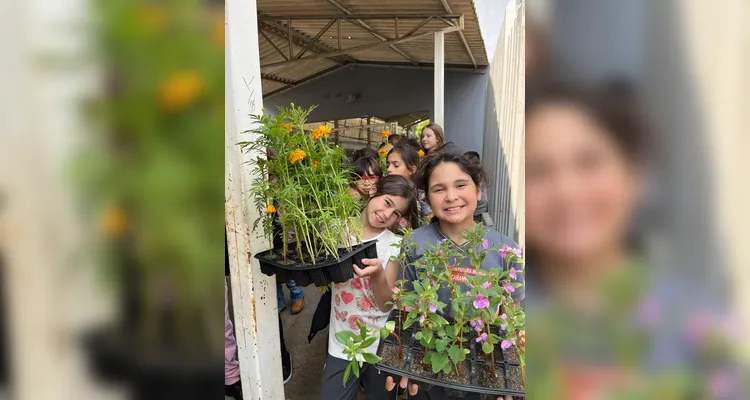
[
  {"x": 324, "y": 130},
  {"x": 315, "y": 164},
  {"x": 296, "y": 156},
  {"x": 286, "y": 126},
  {"x": 386, "y": 133},
  {"x": 383, "y": 153},
  {"x": 113, "y": 221},
  {"x": 180, "y": 89},
  {"x": 420, "y": 153},
  {"x": 270, "y": 209}
]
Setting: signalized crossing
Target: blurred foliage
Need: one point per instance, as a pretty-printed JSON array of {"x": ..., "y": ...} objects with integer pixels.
[{"x": 153, "y": 170}]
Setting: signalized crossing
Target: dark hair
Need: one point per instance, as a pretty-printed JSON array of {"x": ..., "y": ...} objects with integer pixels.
[
  {"x": 366, "y": 151},
  {"x": 395, "y": 136},
  {"x": 408, "y": 155},
  {"x": 612, "y": 105},
  {"x": 397, "y": 185},
  {"x": 473, "y": 154},
  {"x": 362, "y": 166},
  {"x": 413, "y": 142},
  {"x": 447, "y": 154},
  {"x": 439, "y": 135}
]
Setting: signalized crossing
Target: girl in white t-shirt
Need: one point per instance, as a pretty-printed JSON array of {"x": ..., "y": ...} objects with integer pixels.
[{"x": 394, "y": 198}]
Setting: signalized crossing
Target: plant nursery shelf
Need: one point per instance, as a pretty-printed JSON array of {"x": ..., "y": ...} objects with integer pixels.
[
  {"x": 476, "y": 376},
  {"x": 322, "y": 273}
]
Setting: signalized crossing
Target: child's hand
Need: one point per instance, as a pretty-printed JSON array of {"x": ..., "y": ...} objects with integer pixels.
[{"x": 372, "y": 266}]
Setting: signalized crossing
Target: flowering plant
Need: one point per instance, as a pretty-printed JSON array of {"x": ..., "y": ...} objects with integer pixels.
[{"x": 302, "y": 185}]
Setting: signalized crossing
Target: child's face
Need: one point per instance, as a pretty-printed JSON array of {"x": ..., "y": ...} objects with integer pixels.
[
  {"x": 384, "y": 211},
  {"x": 366, "y": 184},
  {"x": 452, "y": 193},
  {"x": 581, "y": 190},
  {"x": 429, "y": 140},
  {"x": 396, "y": 166}
]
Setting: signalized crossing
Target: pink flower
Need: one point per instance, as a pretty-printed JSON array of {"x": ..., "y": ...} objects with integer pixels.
[
  {"x": 422, "y": 319},
  {"x": 482, "y": 338},
  {"x": 508, "y": 287},
  {"x": 503, "y": 326},
  {"x": 487, "y": 285},
  {"x": 504, "y": 316},
  {"x": 513, "y": 273},
  {"x": 506, "y": 344},
  {"x": 433, "y": 308},
  {"x": 518, "y": 252},
  {"x": 395, "y": 290},
  {"x": 481, "y": 302},
  {"x": 434, "y": 282},
  {"x": 477, "y": 324},
  {"x": 468, "y": 293},
  {"x": 504, "y": 251},
  {"x": 485, "y": 244}
]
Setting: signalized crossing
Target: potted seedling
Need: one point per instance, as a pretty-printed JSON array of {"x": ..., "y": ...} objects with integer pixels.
[
  {"x": 151, "y": 182},
  {"x": 477, "y": 342},
  {"x": 301, "y": 189}
]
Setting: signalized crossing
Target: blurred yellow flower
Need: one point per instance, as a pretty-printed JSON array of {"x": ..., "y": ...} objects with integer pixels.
[
  {"x": 315, "y": 164},
  {"x": 270, "y": 209},
  {"x": 386, "y": 133},
  {"x": 296, "y": 156},
  {"x": 180, "y": 89},
  {"x": 113, "y": 221},
  {"x": 286, "y": 126},
  {"x": 324, "y": 130},
  {"x": 218, "y": 30},
  {"x": 420, "y": 153},
  {"x": 383, "y": 153}
]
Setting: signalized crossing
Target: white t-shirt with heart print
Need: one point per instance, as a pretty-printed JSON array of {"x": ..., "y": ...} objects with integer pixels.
[{"x": 354, "y": 300}]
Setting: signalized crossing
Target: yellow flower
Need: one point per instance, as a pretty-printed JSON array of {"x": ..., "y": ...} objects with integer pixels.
[
  {"x": 218, "y": 29},
  {"x": 113, "y": 222},
  {"x": 386, "y": 133},
  {"x": 180, "y": 89},
  {"x": 324, "y": 130},
  {"x": 420, "y": 153},
  {"x": 297, "y": 155},
  {"x": 286, "y": 126},
  {"x": 270, "y": 209},
  {"x": 383, "y": 153},
  {"x": 315, "y": 164}
]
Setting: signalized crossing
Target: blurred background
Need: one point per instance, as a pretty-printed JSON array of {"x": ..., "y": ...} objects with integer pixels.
[
  {"x": 637, "y": 271},
  {"x": 111, "y": 198}
]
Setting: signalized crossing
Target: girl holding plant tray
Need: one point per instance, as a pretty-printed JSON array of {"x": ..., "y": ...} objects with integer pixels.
[
  {"x": 354, "y": 306},
  {"x": 453, "y": 185}
]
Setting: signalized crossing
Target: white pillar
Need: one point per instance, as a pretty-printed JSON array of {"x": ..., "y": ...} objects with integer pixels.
[
  {"x": 439, "y": 108},
  {"x": 253, "y": 294}
]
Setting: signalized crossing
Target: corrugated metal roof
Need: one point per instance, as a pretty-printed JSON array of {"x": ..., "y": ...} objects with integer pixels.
[{"x": 311, "y": 18}]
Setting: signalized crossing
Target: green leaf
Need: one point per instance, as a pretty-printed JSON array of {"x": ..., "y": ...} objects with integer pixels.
[
  {"x": 371, "y": 358},
  {"x": 457, "y": 354},
  {"x": 355, "y": 368},
  {"x": 438, "y": 361},
  {"x": 384, "y": 333},
  {"x": 344, "y": 336},
  {"x": 486, "y": 348},
  {"x": 390, "y": 325},
  {"x": 441, "y": 344},
  {"x": 418, "y": 336},
  {"x": 447, "y": 369},
  {"x": 348, "y": 370},
  {"x": 369, "y": 342}
]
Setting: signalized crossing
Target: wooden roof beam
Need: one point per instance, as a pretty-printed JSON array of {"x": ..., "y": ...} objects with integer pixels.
[
  {"x": 447, "y": 8},
  {"x": 302, "y": 40},
  {"x": 278, "y": 79},
  {"x": 365, "y": 26}
]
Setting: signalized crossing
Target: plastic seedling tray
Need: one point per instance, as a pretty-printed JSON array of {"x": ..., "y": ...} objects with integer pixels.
[
  {"x": 322, "y": 273},
  {"x": 476, "y": 376}
]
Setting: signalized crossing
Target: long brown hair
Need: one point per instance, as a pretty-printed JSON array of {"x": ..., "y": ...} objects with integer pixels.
[{"x": 439, "y": 134}]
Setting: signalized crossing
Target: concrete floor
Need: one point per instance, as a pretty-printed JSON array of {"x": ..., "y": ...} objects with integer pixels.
[{"x": 307, "y": 359}]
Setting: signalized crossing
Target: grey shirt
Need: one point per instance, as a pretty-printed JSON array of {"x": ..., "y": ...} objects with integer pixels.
[{"x": 427, "y": 237}]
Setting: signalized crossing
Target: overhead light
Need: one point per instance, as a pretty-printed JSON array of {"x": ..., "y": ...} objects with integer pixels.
[
  {"x": 348, "y": 37},
  {"x": 330, "y": 37}
]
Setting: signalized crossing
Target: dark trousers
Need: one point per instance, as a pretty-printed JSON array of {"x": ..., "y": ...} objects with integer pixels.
[
  {"x": 286, "y": 359},
  {"x": 333, "y": 387}
]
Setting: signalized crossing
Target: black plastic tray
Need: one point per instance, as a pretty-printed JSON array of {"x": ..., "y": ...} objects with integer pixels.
[
  {"x": 474, "y": 362},
  {"x": 333, "y": 270}
]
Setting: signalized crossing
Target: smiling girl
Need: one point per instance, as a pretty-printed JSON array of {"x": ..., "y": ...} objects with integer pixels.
[
  {"x": 433, "y": 138},
  {"x": 353, "y": 301},
  {"x": 365, "y": 174},
  {"x": 403, "y": 160},
  {"x": 453, "y": 184}
]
